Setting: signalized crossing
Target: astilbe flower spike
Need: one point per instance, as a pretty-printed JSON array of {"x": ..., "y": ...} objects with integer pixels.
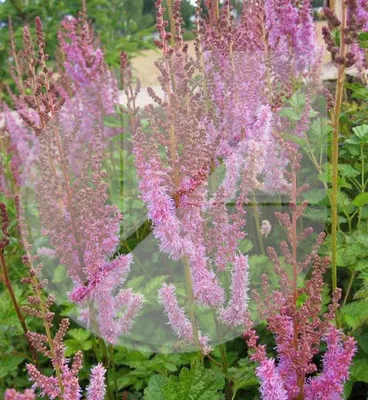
[
  {"x": 177, "y": 318},
  {"x": 234, "y": 314},
  {"x": 12, "y": 394},
  {"x": 336, "y": 363},
  {"x": 73, "y": 203},
  {"x": 87, "y": 84},
  {"x": 224, "y": 120},
  {"x": 299, "y": 329},
  {"x": 65, "y": 383},
  {"x": 96, "y": 389},
  {"x": 272, "y": 385},
  {"x": 174, "y": 186}
]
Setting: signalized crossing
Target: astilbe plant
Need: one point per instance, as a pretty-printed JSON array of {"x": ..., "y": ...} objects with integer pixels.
[
  {"x": 175, "y": 187},
  {"x": 295, "y": 316},
  {"x": 18, "y": 142},
  {"x": 219, "y": 111},
  {"x": 64, "y": 384},
  {"x": 73, "y": 205},
  {"x": 87, "y": 84},
  {"x": 224, "y": 119},
  {"x": 347, "y": 53}
]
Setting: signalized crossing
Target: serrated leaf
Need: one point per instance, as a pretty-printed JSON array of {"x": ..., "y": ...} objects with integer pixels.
[
  {"x": 359, "y": 370},
  {"x": 290, "y": 114},
  {"x": 348, "y": 171},
  {"x": 320, "y": 127},
  {"x": 154, "y": 389},
  {"x": 197, "y": 383},
  {"x": 355, "y": 314},
  {"x": 9, "y": 363},
  {"x": 79, "y": 334},
  {"x": 361, "y": 200},
  {"x": 243, "y": 376}
]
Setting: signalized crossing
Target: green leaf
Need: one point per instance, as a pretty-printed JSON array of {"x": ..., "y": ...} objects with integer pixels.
[
  {"x": 355, "y": 314},
  {"x": 359, "y": 370},
  {"x": 243, "y": 376},
  {"x": 154, "y": 389},
  {"x": 314, "y": 196},
  {"x": 290, "y": 114},
  {"x": 79, "y": 334},
  {"x": 348, "y": 171},
  {"x": 9, "y": 363},
  {"x": 245, "y": 246},
  {"x": 362, "y": 133},
  {"x": 348, "y": 387},
  {"x": 363, "y": 40},
  {"x": 197, "y": 383},
  {"x": 321, "y": 128},
  {"x": 363, "y": 342},
  {"x": 361, "y": 200},
  {"x": 81, "y": 340}
]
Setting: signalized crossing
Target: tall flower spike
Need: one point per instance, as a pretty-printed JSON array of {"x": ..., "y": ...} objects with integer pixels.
[
  {"x": 97, "y": 388},
  {"x": 300, "y": 329},
  {"x": 271, "y": 381},
  {"x": 12, "y": 394},
  {"x": 336, "y": 363},
  {"x": 177, "y": 318},
  {"x": 234, "y": 314}
]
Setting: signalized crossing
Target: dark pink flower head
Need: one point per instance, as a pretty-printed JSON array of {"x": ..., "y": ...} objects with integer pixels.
[{"x": 336, "y": 363}]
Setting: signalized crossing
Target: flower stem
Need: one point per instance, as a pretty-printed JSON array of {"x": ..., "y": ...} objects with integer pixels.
[
  {"x": 191, "y": 308},
  {"x": 15, "y": 304},
  {"x": 294, "y": 243},
  {"x": 335, "y": 144},
  {"x": 258, "y": 224}
]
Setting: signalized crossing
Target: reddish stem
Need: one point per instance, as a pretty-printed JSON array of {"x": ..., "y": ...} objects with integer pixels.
[{"x": 15, "y": 304}]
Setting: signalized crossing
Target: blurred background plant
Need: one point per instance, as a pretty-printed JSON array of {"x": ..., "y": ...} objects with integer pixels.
[{"x": 122, "y": 25}]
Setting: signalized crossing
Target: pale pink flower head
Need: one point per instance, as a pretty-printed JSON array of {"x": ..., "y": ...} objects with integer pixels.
[
  {"x": 271, "y": 382},
  {"x": 178, "y": 319},
  {"x": 12, "y": 394},
  {"x": 266, "y": 228},
  {"x": 97, "y": 388},
  {"x": 234, "y": 314}
]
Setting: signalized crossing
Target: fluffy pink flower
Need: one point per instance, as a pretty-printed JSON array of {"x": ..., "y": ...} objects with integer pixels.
[
  {"x": 155, "y": 191},
  {"x": 12, "y": 394},
  {"x": 24, "y": 146},
  {"x": 206, "y": 286},
  {"x": 177, "y": 318},
  {"x": 336, "y": 362},
  {"x": 234, "y": 314},
  {"x": 48, "y": 385},
  {"x": 96, "y": 389},
  {"x": 271, "y": 381}
]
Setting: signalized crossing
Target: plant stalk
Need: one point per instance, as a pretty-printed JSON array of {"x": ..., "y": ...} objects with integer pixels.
[
  {"x": 16, "y": 305},
  {"x": 335, "y": 143}
]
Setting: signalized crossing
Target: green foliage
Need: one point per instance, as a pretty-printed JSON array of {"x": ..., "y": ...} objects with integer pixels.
[
  {"x": 243, "y": 375},
  {"x": 198, "y": 383},
  {"x": 78, "y": 339}
]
